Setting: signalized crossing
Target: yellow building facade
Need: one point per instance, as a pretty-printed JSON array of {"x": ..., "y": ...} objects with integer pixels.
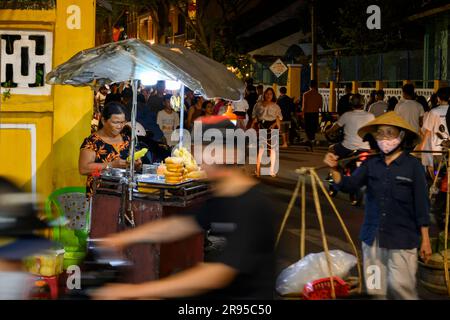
[{"x": 42, "y": 126}]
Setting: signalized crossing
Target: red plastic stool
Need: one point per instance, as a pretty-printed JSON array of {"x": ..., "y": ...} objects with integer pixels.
[{"x": 53, "y": 285}]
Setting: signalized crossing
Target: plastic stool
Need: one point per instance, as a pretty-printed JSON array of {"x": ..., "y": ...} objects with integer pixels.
[{"x": 53, "y": 285}]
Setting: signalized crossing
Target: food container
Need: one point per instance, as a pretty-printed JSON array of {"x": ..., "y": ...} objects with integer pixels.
[
  {"x": 118, "y": 172},
  {"x": 48, "y": 264},
  {"x": 432, "y": 274},
  {"x": 149, "y": 168}
]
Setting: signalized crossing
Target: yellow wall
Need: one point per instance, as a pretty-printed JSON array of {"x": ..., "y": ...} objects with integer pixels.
[
  {"x": 73, "y": 106},
  {"x": 15, "y": 146},
  {"x": 294, "y": 81},
  {"x": 61, "y": 120}
]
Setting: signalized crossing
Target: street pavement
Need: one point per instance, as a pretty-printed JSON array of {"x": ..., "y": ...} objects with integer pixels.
[{"x": 280, "y": 189}]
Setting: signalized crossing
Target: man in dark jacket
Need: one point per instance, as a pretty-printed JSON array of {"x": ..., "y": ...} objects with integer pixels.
[{"x": 287, "y": 109}]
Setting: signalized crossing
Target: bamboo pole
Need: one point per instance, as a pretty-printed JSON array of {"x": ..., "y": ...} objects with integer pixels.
[
  {"x": 288, "y": 211},
  {"x": 322, "y": 231},
  {"x": 303, "y": 218},
  {"x": 344, "y": 227}
]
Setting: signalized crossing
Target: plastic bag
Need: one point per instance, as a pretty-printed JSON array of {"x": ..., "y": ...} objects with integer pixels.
[{"x": 312, "y": 267}]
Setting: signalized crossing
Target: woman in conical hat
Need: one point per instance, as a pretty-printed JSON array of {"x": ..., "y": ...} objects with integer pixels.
[
  {"x": 396, "y": 207},
  {"x": 411, "y": 136}
]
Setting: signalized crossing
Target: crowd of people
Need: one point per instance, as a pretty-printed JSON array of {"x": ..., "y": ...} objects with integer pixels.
[
  {"x": 426, "y": 116},
  {"x": 157, "y": 114}
]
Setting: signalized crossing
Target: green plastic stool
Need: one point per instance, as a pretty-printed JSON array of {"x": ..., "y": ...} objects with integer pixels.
[{"x": 70, "y": 203}]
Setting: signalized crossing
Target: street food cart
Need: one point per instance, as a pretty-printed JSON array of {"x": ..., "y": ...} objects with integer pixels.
[
  {"x": 124, "y": 200},
  {"x": 153, "y": 199}
]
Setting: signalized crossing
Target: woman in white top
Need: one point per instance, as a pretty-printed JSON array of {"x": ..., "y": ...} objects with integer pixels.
[{"x": 267, "y": 114}]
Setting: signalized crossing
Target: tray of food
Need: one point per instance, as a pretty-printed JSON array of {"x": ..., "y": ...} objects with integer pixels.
[{"x": 153, "y": 179}]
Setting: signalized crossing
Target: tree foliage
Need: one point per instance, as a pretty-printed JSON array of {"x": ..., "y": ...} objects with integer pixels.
[
  {"x": 342, "y": 24},
  {"x": 212, "y": 29}
]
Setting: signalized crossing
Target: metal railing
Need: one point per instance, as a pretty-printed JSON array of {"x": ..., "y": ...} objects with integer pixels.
[{"x": 389, "y": 92}]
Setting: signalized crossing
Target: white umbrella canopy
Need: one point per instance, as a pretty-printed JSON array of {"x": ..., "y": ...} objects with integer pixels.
[{"x": 134, "y": 59}]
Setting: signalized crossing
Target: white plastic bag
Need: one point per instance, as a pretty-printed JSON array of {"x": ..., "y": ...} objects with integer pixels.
[{"x": 312, "y": 267}]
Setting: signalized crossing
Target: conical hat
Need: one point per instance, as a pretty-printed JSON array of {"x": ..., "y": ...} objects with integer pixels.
[{"x": 388, "y": 119}]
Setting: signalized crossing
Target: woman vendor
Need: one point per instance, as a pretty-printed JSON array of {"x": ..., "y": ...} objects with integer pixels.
[{"x": 106, "y": 148}]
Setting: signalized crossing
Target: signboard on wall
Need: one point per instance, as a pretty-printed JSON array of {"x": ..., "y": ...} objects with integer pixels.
[{"x": 278, "y": 68}]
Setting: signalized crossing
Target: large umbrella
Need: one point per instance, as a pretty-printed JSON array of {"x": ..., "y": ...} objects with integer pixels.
[
  {"x": 136, "y": 60},
  {"x": 133, "y": 59}
]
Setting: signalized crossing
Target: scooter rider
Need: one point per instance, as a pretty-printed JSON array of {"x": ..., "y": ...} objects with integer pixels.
[
  {"x": 351, "y": 122},
  {"x": 397, "y": 209}
]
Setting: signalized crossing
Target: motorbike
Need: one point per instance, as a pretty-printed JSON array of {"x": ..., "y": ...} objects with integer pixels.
[
  {"x": 327, "y": 120},
  {"x": 100, "y": 266}
]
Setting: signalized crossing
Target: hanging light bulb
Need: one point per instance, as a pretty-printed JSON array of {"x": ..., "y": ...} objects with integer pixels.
[
  {"x": 173, "y": 85},
  {"x": 149, "y": 78}
]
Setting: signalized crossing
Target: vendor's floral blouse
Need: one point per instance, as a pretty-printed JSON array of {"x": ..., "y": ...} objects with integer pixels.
[{"x": 104, "y": 152}]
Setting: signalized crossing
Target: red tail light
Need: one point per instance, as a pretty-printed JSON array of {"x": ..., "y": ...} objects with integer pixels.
[{"x": 363, "y": 156}]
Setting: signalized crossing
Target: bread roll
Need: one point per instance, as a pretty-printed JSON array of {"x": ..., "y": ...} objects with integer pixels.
[
  {"x": 174, "y": 167},
  {"x": 173, "y": 160},
  {"x": 173, "y": 174}
]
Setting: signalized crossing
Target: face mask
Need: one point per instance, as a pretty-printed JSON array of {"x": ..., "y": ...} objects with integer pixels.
[
  {"x": 388, "y": 146},
  {"x": 15, "y": 285}
]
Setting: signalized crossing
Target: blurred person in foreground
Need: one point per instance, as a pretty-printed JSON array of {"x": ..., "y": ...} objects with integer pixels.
[
  {"x": 244, "y": 269},
  {"x": 18, "y": 225},
  {"x": 397, "y": 216}
]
